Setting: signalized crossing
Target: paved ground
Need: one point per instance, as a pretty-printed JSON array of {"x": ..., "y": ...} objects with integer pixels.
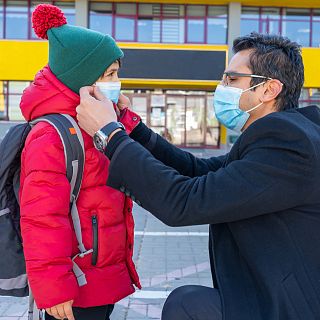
[
  {"x": 4, "y": 126},
  {"x": 166, "y": 258}
]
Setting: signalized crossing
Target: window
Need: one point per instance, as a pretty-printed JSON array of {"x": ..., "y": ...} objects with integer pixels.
[
  {"x": 124, "y": 28},
  {"x": 250, "y": 20},
  {"x": 172, "y": 30},
  {"x": 176, "y": 118},
  {"x": 300, "y": 25},
  {"x": 1, "y": 19},
  {"x": 148, "y": 29},
  {"x": 196, "y": 11},
  {"x": 217, "y": 25},
  {"x": 270, "y": 20},
  {"x": 195, "y": 30},
  {"x": 16, "y": 24},
  {"x": 68, "y": 9},
  {"x": 160, "y": 23},
  {"x": 15, "y": 89},
  {"x": 309, "y": 97},
  {"x": 150, "y": 10},
  {"x": 149, "y": 23},
  {"x": 195, "y": 121},
  {"x": 212, "y": 134},
  {"x": 196, "y": 23},
  {"x": 173, "y": 24},
  {"x": 139, "y": 105},
  {"x": 316, "y": 28},
  {"x": 125, "y": 21},
  {"x": 100, "y": 17},
  {"x": 3, "y": 113},
  {"x": 296, "y": 25},
  {"x": 126, "y": 9}
]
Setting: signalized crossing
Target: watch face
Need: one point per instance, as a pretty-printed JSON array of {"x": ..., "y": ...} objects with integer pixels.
[{"x": 98, "y": 142}]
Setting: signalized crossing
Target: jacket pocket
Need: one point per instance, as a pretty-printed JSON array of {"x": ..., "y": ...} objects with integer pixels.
[
  {"x": 95, "y": 239},
  {"x": 297, "y": 298}
]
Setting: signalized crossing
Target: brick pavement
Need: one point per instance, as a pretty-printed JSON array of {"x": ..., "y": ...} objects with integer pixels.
[{"x": 166, "y": 258}]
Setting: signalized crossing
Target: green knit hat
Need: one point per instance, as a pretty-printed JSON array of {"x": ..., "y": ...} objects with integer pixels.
[{"x": 77, "y": 56}]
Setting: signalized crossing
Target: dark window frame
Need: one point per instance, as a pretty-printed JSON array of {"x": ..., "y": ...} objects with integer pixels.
[
  {"x": 282, "y": 19},
  {"x": 162, "y": 17}
]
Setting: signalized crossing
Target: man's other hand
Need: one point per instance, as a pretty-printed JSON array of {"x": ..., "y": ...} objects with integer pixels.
[{"x": 123, "y": 102}]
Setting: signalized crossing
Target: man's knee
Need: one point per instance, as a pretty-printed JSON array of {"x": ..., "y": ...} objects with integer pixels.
[
  {"x": 193, "y": 302},
  {"x": 174, "y": 307}
]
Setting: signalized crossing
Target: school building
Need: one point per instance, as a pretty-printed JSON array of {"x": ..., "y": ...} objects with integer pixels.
[{"x": 175, "y": 54}]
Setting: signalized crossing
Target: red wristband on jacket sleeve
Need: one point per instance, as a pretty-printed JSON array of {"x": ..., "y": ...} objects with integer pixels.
[{"x": 129, "y": 119}]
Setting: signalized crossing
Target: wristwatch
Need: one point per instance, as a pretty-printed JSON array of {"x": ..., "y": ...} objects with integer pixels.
[{"x": 100, "y": 138}]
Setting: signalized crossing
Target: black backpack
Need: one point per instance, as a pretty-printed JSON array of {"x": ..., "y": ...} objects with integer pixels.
[{"x": 13, "y": 278}]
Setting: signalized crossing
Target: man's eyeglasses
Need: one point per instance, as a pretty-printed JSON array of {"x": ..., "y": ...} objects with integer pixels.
[{"x": 227, "y": 76}]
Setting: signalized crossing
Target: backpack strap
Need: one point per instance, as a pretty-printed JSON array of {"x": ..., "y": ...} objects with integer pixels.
[{"x": 73, "y": 145}]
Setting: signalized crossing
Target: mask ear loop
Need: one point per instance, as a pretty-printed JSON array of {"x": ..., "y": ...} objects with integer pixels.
[
  {"x": 254, "y": 107},
  {"x": 257, "y": 85}
]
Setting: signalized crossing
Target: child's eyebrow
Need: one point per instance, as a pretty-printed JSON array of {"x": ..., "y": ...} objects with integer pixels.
[{"x": 112, "y": 70}]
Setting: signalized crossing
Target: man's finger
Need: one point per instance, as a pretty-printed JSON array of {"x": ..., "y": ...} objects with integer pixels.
[
  {"x": 123, "y": 102},
  {"x": 85, "y": 92},
  {"x": 79, "y": 110},
  {"x": 68, "y": 312},
  {"x": 98, "y": 94}
]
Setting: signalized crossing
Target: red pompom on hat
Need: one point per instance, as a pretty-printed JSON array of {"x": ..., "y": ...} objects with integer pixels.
[
  {"x": 77, "y": 56},
  {"x": 45, "y": 17}
]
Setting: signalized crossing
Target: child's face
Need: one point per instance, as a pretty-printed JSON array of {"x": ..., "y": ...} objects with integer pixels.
[{"x": 111, "y": 74}]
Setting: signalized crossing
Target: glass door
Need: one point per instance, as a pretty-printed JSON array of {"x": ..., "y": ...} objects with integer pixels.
[
  {"x": 176, "y": 118},
  {"x": 195, "y": 121}
]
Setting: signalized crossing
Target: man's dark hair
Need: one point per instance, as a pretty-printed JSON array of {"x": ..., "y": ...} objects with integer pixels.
[{"x": 275, "y": 57}]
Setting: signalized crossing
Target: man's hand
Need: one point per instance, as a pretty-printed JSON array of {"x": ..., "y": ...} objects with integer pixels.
[
  {"x": 62, "y": 311},
  {"x": 94, "y": 111},
  {"x": 127, "y": 117},
  {"x": 123, "y": 102}
]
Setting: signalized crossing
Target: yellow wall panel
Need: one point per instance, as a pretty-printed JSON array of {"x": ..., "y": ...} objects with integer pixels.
[
  {"x": 311, "y": 58},
  {"x": 223, "y": 135},
  {"x": 20, "y": 60}
]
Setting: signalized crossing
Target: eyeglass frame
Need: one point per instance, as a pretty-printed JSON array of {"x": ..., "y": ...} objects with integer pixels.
[{"x": 239, "y": 74}]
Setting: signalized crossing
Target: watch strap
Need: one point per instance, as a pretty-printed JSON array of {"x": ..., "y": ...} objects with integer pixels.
[{"x": 110, "y": 127}]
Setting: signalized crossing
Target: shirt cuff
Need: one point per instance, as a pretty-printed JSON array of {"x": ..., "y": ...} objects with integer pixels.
[
  {"x": 141, "y": 133},
  {"x": 114, "y": 142}
]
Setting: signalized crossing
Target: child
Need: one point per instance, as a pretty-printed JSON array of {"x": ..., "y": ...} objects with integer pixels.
[{"x": 77, "y": 57}]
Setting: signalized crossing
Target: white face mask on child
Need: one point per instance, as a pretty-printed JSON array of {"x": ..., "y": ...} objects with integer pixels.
[{"x": 110, "y": 90}]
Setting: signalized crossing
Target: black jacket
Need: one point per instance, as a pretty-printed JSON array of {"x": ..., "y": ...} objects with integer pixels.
[{"x": 262, "y": 201}]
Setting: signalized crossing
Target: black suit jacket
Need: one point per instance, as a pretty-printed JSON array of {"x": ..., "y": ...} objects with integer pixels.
[{"x": 262, "y": 201}]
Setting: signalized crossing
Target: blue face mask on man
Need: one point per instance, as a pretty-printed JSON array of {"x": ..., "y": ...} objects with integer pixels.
[
  {"x": 110, "y": 90},
  {"x": 226, "y": 104}
]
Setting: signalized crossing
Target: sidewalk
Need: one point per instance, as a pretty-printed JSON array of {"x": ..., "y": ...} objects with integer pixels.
[{"x": 166, "y": 258}]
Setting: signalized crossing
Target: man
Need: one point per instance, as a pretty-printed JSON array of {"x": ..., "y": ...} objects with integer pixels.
[{"x": 262, "y": 200}]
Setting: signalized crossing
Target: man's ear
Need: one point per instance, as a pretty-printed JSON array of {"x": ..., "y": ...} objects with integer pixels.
[{"x": 271, "y": 90}]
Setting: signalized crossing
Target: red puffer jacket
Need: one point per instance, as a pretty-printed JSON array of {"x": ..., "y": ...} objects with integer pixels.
[{"x": 47, "y": 231}]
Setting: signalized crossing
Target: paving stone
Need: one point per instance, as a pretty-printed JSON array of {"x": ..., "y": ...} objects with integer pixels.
[{"x": 163, "y": 262}]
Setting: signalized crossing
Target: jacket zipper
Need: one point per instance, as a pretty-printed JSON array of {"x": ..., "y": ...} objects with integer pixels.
[{"x": 95, "y": 240}]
